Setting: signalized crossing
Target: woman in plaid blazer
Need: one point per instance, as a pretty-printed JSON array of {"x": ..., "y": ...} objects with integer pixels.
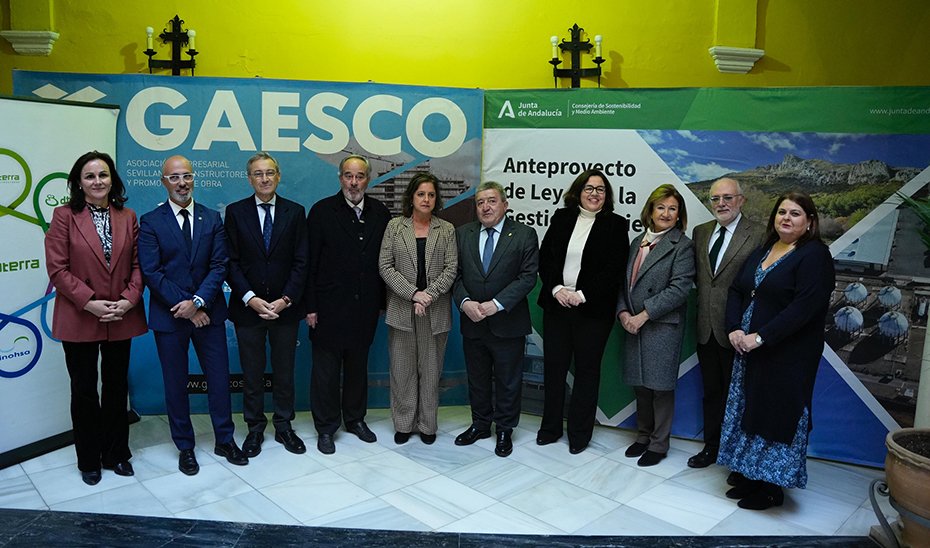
[{"x": 418, "y": 262}]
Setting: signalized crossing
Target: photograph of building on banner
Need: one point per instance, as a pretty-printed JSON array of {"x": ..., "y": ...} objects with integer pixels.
[{"x": 309, "y": 127}]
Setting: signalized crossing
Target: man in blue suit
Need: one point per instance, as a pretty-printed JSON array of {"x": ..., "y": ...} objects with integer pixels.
[
  {"x": 267, "y": 237},
  {"x": 182, "y": 253}
]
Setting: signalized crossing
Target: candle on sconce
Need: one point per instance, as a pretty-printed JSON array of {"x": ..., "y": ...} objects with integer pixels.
[
  {"x": 148, "y": 37},
  {"x": 597, "y": 45},
  {"x": 555, "y": 48},
  {"x": 192, "y": 36}
]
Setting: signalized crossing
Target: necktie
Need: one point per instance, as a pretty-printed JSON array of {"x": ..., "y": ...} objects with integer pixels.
[
  {"x": 715, "y": 249},
  {"x": 358, "y": 212},
  {"x": 488, "y": 250},
  {"x": 266, "y": 226},
  {"x": 186, "y": 228}
]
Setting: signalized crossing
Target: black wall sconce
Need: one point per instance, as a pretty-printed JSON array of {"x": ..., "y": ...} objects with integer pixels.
[
  {"x": 178, "y": 38},
  {"x": 576, "y": 46}
]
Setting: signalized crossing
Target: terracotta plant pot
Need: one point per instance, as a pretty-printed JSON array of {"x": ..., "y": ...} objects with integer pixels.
[{"x": 907, "y": 468}]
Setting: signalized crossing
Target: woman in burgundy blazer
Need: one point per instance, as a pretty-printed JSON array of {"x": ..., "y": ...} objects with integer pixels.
[{"x": 90, "y": 254}]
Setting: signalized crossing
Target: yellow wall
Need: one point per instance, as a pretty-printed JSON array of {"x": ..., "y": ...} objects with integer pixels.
[{"x": 493, "y": 43}]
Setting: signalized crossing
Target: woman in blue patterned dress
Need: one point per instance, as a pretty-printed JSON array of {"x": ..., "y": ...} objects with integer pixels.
[{"x": 775, "y": 314}]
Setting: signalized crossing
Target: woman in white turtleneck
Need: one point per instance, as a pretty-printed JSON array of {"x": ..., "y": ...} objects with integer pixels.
[
  {"x": 652, "y": 311},
  {"x": 581, "y": 264}
]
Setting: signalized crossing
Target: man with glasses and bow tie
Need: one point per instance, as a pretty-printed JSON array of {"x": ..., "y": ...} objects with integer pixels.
[
  {"x": 721, "y": 247},
  {"x": 344, "y": 296},
  {"x": 183, "y": 258},
  {"x": 267, "y": 238}
]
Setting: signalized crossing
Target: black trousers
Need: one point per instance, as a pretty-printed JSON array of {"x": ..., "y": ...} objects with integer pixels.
[
  {"x": 716, "y": 372},
  {"x": 282, "y": 339},
  {"x": 338, "y": 386},
  {"x": 101, "y": 425},
  {"x": 495, "y": 380},
  {"x": 572, "y": 337}
]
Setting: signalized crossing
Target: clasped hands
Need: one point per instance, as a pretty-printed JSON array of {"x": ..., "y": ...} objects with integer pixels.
[
  {"x": 266, "y": 310},
  {"x": 421, "y": 300},
  {"x": 187, "y": 311},
  {"x": 478, "y": 311},
  {"x": 632, "y": 323},
  {"x": 108, "y": 311},
  {"x": 742, "y": 342},
  {"x": 568, "y": 298}
]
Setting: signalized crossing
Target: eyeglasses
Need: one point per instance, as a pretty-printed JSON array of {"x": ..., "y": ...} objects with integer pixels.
[
  {"x": 357, "y": 177},
  {"x": 588, "y": 189},
  {"x": 268, "y": 173},
  {"x": 726, "y": 198},
  {"x": 176, "y": 178}
]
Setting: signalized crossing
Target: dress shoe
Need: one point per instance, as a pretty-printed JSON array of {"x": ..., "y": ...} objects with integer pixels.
[
  {"x": 401, "y": 438},
  {"x": 252, "y": 445},
  {"x": 232, "y": 453},
  {"x": 472, "y": 435},
  {"x": 364, "y": 433},
  {"x": 187, "y": 462},
  {"x": 504, "y": 445},
  {"x": 545, "y": 438},
  {"x": 575, "y": 449},
  {"x": 735, "y": 478},
  {"x": 650, "y": 458},
  {"x": 91, "y": 478},
  {"x": 703, "y": 459},
  {"x": 121, "y": 468},
  {"x": 636, "y": 450},
  {"x": 768, "y": 496},
  {"x": 428, "y": 439},
  {"x": 744, "y": 489},
  {"x": 325, "y": 444},
  {"x": 291, "y": 441}
]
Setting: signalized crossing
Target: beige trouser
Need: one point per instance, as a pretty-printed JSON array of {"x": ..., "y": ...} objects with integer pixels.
[{"x": 416, "y": 365}]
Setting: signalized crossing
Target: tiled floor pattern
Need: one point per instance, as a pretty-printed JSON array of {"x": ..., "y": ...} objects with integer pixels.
[{"x": 443, "y": 488}]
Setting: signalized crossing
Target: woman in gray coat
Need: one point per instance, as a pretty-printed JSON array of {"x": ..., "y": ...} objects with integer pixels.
[
  {"x": 652, "y": 310},
  {"x": 418, "y": 261}
]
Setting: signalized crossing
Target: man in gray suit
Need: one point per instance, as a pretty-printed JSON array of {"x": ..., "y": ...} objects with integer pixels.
[
  {"x": 721, "y": 248},
  {"x": 498, "y": 260}
]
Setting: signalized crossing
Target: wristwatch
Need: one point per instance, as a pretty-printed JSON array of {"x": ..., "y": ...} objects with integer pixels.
[
  {"x": 198, "y": 302},
  {"x": 287, "y": 300},
  {"x": 758, "y": 339}
]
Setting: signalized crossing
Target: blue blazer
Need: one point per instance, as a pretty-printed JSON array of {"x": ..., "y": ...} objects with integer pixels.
[{"x": 174, "y": 275}]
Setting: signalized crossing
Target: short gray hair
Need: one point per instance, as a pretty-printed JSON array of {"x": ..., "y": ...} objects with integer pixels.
[
  {"x": 261, "y": 155},
  {"x": 491, "y": 185}
]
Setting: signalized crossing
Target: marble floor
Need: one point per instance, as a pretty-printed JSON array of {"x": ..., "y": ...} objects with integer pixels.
[{"x": 443, "y": 488}]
